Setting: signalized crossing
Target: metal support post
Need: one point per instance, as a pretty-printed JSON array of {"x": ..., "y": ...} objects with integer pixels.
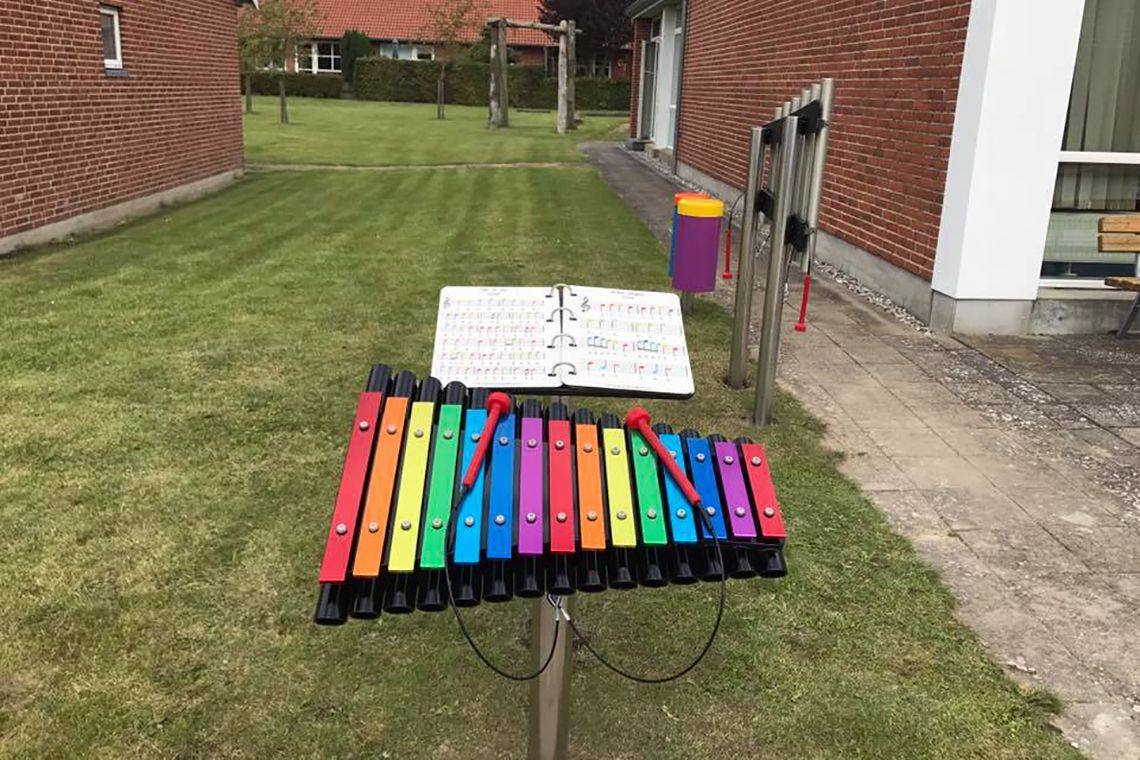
[
  {"x": 746, "y": 264},
  {"x": 687, "y": 301},
  {"x": 549, "y": 730},
  {"x": 774, "y": 286}
]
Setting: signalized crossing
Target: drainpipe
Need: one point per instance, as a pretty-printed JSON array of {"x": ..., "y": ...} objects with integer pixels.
[{"x": 680, "y": 83}]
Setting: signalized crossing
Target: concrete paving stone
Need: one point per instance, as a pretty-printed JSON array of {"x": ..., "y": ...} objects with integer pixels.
[
  {"x": 1062, "y": 507},
  {"x": 1009, "y": 473},
  {"x": 1069, "y": 392},
  {"x": 1112, "y": 413},
  {"x": 1018, "y": 415},
  {"x": 926, "y": 394},
  {"x": 1022, "y": 555},
  {"x": 821, "y": 354},
  {"x": 1128, "y": 393},
  {"x": 1132, "y": 435},
  {"x": 972, "y": 439},
  {"x": 1067, "y": 417},
  {"x": 934, "y": 473},
  {"x": 911, "y": 514},
  {"x": 1108, "y": 444},
  {"x": 982, "y": 393},
  {"x": 890, "y": 375},
  {"x": 871, "y": 351},
  {"x": 1104, "y": 549},
  {"x": 977, "y": 509},
  {"x": 1102, "y": 729},
  {"x": 916, "y": 441},
  {"x": 875, "y": 473}
]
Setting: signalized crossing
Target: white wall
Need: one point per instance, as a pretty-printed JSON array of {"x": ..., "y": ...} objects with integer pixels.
[
  {"x": 663, "y": 118},
  {"x": 1012, "y": 100}
]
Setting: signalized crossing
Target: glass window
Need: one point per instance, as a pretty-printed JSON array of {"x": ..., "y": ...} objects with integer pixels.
[
  {"x": 425, "y": 54},
  {"x": 328, "y": 56},
  {"x": 305, "y": 57},
  {"x": 112, "y": 52}
]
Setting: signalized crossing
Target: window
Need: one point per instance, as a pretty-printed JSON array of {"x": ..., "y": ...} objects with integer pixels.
[
  {"x": 327, "y": 56},
  {"x": 112, "y": 49},
  {"x": 425, "y": 54},
  {"x": 305, "y": 57}
]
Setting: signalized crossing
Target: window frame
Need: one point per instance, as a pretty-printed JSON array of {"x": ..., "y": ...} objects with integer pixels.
[{"x": 115, "y": 14}]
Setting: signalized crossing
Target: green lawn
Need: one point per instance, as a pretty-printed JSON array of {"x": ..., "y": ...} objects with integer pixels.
[
  {"x": 363, "y": 133},
  {"x": 176, "y": 400}
]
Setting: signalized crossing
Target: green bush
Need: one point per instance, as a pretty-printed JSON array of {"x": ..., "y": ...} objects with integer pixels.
[
  {"x": 468, "y": 84},
  {"x": 299, "y": 85},
  {"x": 354, "y": 45}
]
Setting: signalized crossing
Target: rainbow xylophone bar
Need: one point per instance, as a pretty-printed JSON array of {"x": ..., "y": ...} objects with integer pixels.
[{"x": 563, "y": 503}]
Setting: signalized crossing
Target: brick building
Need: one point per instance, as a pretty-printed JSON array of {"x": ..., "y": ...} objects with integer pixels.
[
  {"x": 400, "y": 29},
  {"x": 974, "y": 144},
  {"x": 108, "y": 110}
]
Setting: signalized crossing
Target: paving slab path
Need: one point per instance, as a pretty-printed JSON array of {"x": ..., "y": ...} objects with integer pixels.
[{"x": 1011, "y": 464}]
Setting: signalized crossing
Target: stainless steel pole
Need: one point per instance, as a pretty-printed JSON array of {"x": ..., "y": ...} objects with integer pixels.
[
  {"x": 746, "y": 264},
  {"x": 774, "y": 287},
  {"x": 818, "y": 162}
]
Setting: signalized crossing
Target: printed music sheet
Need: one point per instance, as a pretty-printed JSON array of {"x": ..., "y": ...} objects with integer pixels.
[{"x": 568, "y": 338}]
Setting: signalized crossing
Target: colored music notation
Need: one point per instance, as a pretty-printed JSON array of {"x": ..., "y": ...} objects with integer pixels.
[{"x": 569, "y": 337}]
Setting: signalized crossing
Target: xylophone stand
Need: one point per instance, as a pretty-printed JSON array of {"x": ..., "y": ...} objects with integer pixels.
[{"x": 549, "y": 719}]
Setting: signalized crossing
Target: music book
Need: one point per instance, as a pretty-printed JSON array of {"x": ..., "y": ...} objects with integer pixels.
[{"x": 565, "y": 339}]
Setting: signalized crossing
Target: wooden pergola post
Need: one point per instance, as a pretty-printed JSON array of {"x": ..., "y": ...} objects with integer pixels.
[{"x": 498, "y": 101}]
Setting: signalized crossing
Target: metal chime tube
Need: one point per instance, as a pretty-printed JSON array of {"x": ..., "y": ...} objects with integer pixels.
[
  {"x": 746, "y": 263},
  {"x": 773, "y": 288}
]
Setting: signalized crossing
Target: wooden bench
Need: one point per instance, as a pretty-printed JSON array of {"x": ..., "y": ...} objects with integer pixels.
[{"x": 1120, "y": 233}]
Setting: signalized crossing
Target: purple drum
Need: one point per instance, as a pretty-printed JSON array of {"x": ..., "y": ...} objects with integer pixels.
[{"x": 698, "y": 240}]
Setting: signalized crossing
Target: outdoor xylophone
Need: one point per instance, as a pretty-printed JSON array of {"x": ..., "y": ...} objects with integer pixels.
[{"x": 557, "y": 502}]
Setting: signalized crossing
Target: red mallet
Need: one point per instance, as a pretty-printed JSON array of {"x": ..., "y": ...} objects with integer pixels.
[
  {"x": 638, "y": 419},
  {"x": 727, "y": 274},
  {"x": 498, "y": 404},
  {"x": 801, "y": 325}
]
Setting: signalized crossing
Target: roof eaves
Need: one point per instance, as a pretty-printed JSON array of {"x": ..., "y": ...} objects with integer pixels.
[{"x": 640, "y": 8}]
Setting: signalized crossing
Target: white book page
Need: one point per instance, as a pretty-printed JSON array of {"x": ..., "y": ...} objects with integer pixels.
[
  {"x": 631, "y": 340},
  {"x": 496, "y": 337}
]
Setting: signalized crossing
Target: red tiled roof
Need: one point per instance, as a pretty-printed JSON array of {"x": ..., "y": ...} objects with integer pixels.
[{"x": 409, "y": 21}]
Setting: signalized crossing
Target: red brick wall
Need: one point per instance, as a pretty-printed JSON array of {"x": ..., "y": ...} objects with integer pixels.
[
  {"x": 73, "y": 139},
  {"x": 640, "y": 34},
  {"x": 896, "y": 64}
]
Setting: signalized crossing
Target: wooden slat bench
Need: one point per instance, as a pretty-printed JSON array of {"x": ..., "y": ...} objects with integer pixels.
[{"x": 1120, "y": 233}]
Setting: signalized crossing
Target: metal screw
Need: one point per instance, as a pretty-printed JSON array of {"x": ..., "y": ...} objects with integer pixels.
[
  {"x": 406, "y": 525},
  {"x": 700, "y": 457},
  {"x": 560, "y": 445},
  {"x": 591, "y": 516},
  {"x": 531, "y": 517},
  {"x": 728, "y": 460},
  {"x": 673, "y": 453},
  {"x": 373, "y": 527},
  {"x": 740, "y": 511},
  {"x": 341, "y": 529},
  {"x": 500, "y": 520},
  {"x": 615, "y": 451},
  {"x": 469, "y": 521},
  {"x": 503, "y": 440},
  {"x": 475, "y": 437},
  {"x": 588, "y": 447},
  {"x": 561, "y": 517},
  {"x": 651, "y": 514},
  {"x": 621, "y": 514},
  {"x": 531, "y": 443},
  {"x": 437, "y": 523},
  {"x": 711, "y": 511},
  {"x": 644, "y": 451},
  {"x": 682, "y": 514},
  {"x": 447, "y": 434},
  {"x": 364, "y": 424},
  {"x": 769, "y": 512},
  {"x": 419, "y": 433},
  {"x": 755, "y": 461},
  {"x": 391, "y": 430}
]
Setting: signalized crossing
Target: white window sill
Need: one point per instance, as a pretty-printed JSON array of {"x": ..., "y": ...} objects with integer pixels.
[{"x": 115, "y": 72}]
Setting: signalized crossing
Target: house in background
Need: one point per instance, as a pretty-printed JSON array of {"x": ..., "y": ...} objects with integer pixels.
[
  {"x": 108, "y": 110},
  {"x": 400, "y": 29},
  {"x": 974, "y": 145}
]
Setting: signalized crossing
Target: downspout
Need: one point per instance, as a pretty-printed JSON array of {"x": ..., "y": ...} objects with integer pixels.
[{"x": 680, "y": 83}]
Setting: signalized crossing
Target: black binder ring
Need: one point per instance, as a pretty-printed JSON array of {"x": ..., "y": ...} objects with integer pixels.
[
  {"x": 561, "y": 308},
  {"x": 560, "y": 286},
  {"x": 573, "y": 342},
  {"x": 573, "y": 368}
]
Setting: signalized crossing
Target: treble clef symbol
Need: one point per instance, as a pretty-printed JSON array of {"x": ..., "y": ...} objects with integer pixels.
[{"x": 585, "y": 304}]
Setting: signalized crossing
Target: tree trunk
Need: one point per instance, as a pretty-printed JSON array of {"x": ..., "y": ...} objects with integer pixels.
[
  {"x": 572, "y": 66},
  {"x": 281, "y": 94},
  {"x": 439, "y": 91},
  {"x": 248, "y": 92},
  {"x": 504, "y": 79},
  {"x": 563, "y": 89},
  {"x": 493, "y": 116}
]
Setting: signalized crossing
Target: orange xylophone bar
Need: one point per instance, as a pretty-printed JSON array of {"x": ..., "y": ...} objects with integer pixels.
[{"x": 562, "y": 502}]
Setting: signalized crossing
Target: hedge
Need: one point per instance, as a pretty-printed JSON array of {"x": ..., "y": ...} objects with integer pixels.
[
  {"x": 468, "y": 84},
  {"x": 303, "y": 85}
]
